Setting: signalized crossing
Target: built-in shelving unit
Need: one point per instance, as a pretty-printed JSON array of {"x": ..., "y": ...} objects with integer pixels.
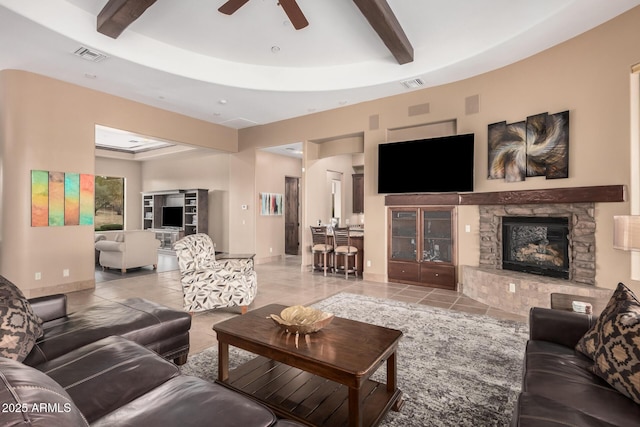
[{"x": 195, "y": 213}]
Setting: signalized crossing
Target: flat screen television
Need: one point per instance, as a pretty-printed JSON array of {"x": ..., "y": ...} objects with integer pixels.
[
  {"x": 173, "y": 216},
  {"x": 435, "y": 165}
]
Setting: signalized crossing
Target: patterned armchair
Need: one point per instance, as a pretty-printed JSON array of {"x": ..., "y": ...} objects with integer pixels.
[{"x": 209, "y": 284}]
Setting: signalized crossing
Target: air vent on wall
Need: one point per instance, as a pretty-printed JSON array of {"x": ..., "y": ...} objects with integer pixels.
[
  {"x": 412, "y": 83},
  {"x": 90, "y": 55}
]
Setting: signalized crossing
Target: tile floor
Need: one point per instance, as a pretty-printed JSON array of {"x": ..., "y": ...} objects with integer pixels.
[{"x": 280, "y": 282}]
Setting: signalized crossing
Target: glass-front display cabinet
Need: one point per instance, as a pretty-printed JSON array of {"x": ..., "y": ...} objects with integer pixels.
[
  {"x": 404, "y": 234},
  {"x": 436, "y": 235},
  {"x": 422, "y": 246}
]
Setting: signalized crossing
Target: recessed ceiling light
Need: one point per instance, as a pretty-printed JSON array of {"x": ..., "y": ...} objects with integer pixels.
[
  {"x": 217, "y": 114},
  {"x": 90, "y": 76},
  {"x": 275, "y": 49},
  {"x": 222, "y": 102}
]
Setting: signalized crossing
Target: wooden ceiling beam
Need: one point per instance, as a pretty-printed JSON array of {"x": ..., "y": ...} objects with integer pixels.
[
  {"x": 384, "y": 22},
  {"x": 117, "y": 15}
]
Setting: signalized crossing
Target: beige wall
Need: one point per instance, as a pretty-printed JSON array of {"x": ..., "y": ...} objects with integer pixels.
[
  {"x": 271, "y": 170},
  {"x": 48, "y": 124},
  {"x": 242, "y": 191},
  {"x": 588, "y": 75}
]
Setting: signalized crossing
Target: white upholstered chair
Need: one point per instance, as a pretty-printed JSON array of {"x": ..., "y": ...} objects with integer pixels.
[
  {"x": 208, "y": 284},
  {"x": 128, "y": 249}
]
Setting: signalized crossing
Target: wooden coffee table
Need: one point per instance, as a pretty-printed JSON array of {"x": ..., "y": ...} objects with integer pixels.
[{"x": 325, "y": 381}]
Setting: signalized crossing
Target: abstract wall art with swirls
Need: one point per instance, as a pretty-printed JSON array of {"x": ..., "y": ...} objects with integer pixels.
[{"x": 538, "y": 146}]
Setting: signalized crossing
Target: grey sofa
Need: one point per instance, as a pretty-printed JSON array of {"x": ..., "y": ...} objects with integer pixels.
[{"x": 558, "y": 385}]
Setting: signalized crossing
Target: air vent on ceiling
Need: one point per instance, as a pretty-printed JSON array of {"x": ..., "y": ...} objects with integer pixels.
[
  {"x": 412, "y": 83},
  {"x": 89, "y": 54}
]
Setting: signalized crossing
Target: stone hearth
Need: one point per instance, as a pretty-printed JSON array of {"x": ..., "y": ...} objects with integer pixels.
[{"x": 491, "y": 286}]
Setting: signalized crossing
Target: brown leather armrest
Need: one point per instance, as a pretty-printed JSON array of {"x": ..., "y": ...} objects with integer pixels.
[
  {"x": 50, "y": 307},
  {"x": 558, "y": 326}
]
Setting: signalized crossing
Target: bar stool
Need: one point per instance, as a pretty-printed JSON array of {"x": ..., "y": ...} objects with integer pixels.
[
  {"x": 320, "y": 246},
  {"x": 343, "y": 248}
]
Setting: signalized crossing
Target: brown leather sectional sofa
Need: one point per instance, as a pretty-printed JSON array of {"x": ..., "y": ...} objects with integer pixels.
[
  {"x": 558, "y": 386},
  {"x": 96, "y": 367}
]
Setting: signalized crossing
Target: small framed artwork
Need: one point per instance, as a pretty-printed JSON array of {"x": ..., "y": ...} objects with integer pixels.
[{"x": 271, "y": 204}]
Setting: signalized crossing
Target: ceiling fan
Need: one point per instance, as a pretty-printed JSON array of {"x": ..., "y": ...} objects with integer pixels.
[
  {"x": 290, "y": 7},
  {"x": 117, "y": 15}
]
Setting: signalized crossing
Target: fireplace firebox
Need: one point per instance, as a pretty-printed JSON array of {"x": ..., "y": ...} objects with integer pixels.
[{"x": 537, "y": 245}]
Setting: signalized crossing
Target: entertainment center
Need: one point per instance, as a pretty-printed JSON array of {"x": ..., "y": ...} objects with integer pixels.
[
  {"x": 173, "y": 214},
  {"x": 422, "y": 239}
]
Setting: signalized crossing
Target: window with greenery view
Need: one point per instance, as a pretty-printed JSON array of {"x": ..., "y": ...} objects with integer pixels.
[{"x": 109, "y": 207}]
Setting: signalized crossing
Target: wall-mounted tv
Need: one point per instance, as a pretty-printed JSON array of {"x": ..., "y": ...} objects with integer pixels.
[
  {"x": 173, "y": 216},
  {"x": 435, "y": 165}
]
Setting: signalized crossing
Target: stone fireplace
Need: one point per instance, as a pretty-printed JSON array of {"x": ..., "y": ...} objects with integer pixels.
[
  {"x": 517, "y": 291},
  {"x": 580, "y": 264}
]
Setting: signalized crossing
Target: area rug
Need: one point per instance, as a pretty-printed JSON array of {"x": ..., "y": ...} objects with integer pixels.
[{"x": 454, "y": 368}]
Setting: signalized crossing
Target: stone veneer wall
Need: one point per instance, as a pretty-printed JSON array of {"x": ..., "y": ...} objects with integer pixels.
[
  {"x": 490, "y": 284},
  {"x": 582, "y": 240}
]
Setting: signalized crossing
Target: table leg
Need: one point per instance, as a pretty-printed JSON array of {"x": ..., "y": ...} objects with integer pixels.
[
  {"x": 355, "y": 407},
  {"x": 392, "y": 380},
  {"x": 223, "y": 361}
]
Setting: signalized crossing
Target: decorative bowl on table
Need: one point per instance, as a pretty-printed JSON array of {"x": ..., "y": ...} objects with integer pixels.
[{"x": 298, "y": 319}]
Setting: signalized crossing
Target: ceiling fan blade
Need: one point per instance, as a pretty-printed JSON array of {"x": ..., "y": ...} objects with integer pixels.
[
  {"x": 231, "y": 6},
  {"x": 294, "y": 13}
]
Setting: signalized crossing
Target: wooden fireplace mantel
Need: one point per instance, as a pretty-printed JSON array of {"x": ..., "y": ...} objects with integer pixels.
[{"x": 595, "y": 194}]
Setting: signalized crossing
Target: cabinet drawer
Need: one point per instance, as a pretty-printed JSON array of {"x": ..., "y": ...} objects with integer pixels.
[
  {"x": 438, "y": 275},
  {"x": 404, "y": 271}
]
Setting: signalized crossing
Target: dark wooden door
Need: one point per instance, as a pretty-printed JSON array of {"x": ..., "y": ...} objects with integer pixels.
[
  {"x": 358, "y": 192},
  {"x": 291, "y": 224}
]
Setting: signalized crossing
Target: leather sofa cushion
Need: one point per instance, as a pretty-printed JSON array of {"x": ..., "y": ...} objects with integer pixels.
[
  {"x": 24, "y": 390},
  {"x": 186, "y": 400},
  {"x": 139, "y": 320},
  {"x": 542, "y": 355},
  {"x": 537, "y": 411},
  {"x": 564, "y": 376},
  {"x": 120, "y": 369}
]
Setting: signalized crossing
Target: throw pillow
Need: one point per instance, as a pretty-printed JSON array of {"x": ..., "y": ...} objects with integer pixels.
[
  {"x": 19, "y": 325},
  {"x": 617, "y": 356},
  {"x": 591, "y": 340}
]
